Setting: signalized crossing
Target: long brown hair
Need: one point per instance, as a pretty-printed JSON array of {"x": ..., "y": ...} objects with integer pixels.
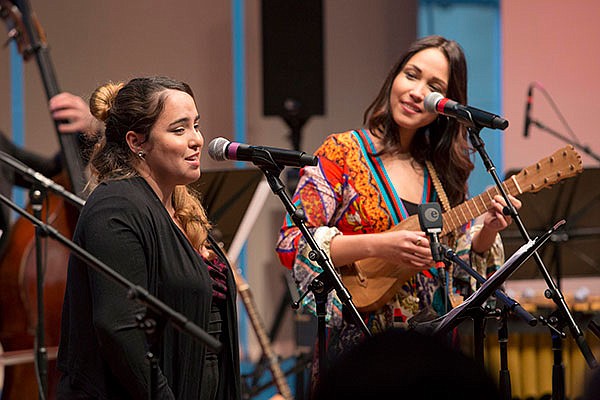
[
  {"x": 136, "y": 106},
  {"x": 444, "y": 141}
]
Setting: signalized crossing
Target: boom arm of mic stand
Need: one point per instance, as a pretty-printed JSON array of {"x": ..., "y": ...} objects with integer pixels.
[
  {"x": 328, "y": 276},
  {"x": 584, "y": 148},
  {"x": 557, "y": 296},
  {"x": 37, "y": 178},
  {"x": 136, "y": 292}
]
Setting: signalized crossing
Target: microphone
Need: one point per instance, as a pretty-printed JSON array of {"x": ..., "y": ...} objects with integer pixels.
[
  {"x": 221, "y": 149},
  {"x": 430, "y": 219},
  {"x": 436, "y": 103},
  {"x": 528, "y": 110}
]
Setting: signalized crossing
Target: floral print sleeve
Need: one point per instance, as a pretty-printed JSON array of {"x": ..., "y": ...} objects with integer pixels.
[{"x": 320, "y": 195}]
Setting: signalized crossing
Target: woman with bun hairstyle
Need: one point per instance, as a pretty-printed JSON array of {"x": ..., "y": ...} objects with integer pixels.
[{"x": 141, "y": 220}]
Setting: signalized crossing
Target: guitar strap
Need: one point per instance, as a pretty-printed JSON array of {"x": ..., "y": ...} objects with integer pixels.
[{"x": 437, "y": 184}]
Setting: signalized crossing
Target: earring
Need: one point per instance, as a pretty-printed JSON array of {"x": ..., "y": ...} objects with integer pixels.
[{"x": 141, "y": 154}]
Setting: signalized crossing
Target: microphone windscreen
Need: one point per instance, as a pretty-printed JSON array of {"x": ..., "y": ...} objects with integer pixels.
[
  {"x": 217, "y": 149},
  {"x": 431, "y": 101}
]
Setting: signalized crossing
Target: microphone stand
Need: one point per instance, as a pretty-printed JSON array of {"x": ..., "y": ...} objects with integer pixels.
[
  {"x": 553, "y": 291},
  {"x": 584, "y": 148},
  {"x": 327, "y": 280},
  {"x": 38, "y": 179},
  {"x": 555, "y": 325},
  {"x": 135, "y": 292},
  {"x": 36, "y": 197},
  {"x": 37, "y": 194}
]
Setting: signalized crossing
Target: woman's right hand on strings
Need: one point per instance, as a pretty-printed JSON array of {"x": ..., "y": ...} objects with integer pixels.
[{"x": 404, "y": 248}]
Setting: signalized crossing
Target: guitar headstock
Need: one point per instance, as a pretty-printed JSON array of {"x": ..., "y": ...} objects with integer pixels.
[
  {"x": 17, "y": 29},
  {"x": 563, "y": 163}
]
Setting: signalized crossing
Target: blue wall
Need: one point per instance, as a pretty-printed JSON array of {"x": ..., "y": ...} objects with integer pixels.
[
  {"x": 476, "y": 26},
  {"x": 17, "y": 111}
]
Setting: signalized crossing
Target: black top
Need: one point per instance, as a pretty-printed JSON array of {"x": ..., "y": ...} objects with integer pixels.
[{"x": 102, "y": 352}]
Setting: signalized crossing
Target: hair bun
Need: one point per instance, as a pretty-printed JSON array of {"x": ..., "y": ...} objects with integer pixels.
[{"x": 103, "y": 99}]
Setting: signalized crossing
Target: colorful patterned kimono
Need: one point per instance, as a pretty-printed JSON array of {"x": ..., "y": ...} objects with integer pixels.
[{"x": 349, "y": 193}]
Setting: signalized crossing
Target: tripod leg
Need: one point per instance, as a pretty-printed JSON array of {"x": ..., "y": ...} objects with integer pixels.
[{"x": 558, "y": 369}]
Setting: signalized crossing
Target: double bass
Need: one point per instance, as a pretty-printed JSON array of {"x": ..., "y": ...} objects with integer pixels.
[{"x": 20, "y": 283}]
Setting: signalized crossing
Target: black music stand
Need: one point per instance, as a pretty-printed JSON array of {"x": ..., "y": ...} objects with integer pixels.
[
  {"x": 226, "y": 195},
  {"x": 574, "y": 250},
  {"x": 447, "y": 322}
]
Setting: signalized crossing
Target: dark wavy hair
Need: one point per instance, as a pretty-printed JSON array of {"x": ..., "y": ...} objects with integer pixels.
[
  {"x": 444, "y": 141},
  {"x": 134, "y": 106}
]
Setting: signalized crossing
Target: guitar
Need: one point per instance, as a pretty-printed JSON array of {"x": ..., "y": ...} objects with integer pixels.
[{"x": 373, "y": 282}]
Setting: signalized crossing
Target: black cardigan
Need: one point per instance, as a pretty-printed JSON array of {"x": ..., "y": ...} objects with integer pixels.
[{"x": 102, "y": 351}]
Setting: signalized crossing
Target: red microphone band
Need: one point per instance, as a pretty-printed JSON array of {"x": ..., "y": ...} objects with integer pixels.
[{"x": 441, "y": 104}]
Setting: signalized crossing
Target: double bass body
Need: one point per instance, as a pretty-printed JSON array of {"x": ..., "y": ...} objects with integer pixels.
[
  {"x": 18, "y": 267},
  {"x": 18, "y": 299}
]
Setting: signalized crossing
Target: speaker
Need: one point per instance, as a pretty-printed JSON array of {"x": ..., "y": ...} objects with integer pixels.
[{"x": 292, "y": 50}]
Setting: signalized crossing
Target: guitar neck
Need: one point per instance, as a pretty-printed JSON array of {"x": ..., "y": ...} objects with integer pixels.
[
  {"x": 261, "y": 335},
  {"x": 373, "y": 281},
  {"x": 476, "y": 206}
]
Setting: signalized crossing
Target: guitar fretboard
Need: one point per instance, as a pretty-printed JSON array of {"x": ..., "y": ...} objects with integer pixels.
[{"x": 473, "y": 208}]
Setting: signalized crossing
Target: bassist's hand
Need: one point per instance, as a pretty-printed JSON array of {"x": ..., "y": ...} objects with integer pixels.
[{"x": 74, "y": 116}]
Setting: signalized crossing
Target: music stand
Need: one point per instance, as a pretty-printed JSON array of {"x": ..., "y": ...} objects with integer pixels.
[
  {"x": 226, "y": 195},
  {"x": 574, "y": 250},
  {"x": 447, "y": 322}
]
